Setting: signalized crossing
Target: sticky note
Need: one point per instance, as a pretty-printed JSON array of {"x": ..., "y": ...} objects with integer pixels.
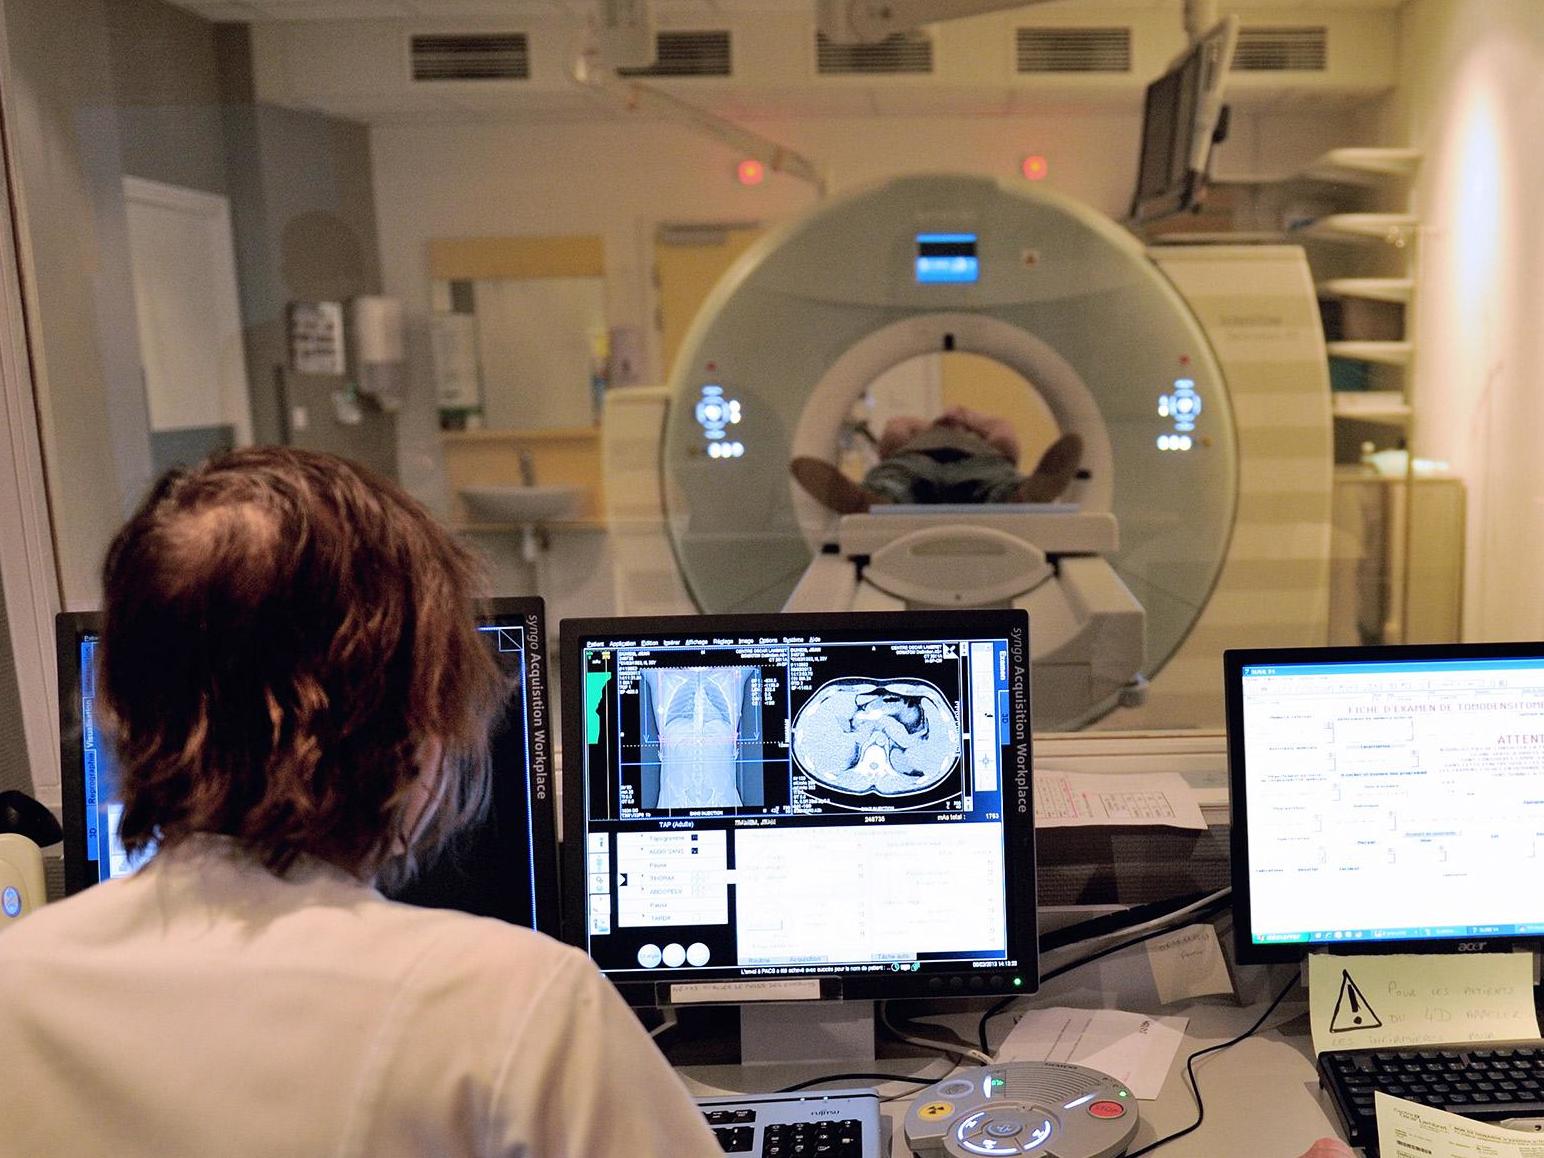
[
  {"x": 1375, "y": 1002},
  {"x": 1188, "y": 963}
]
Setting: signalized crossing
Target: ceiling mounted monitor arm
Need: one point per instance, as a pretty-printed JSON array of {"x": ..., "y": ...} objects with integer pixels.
[
  {"x": 636, "y": 97},
  {"x": 872, "y": 21}
]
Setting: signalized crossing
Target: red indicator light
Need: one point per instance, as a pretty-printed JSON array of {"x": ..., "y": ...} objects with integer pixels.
[
  {"x": 1035, "y": 167},
  {"x": 750, "y": 172}
]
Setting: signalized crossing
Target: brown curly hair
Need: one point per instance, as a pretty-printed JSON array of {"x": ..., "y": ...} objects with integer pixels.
[{"x": 285, "y": 636}]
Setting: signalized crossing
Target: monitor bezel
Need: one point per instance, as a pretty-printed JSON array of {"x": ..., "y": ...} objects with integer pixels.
[
  {"x": 1019, "y": 828},
  {"x": 69, "y": 627},
  {"x": 1234, "y": 661},
  {"x": 530, "y": 612}
]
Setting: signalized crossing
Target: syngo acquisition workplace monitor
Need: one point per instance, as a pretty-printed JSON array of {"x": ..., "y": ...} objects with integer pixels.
[
  {"x": 800, "y": 806},
  {"x": 1386, "y": 799}
]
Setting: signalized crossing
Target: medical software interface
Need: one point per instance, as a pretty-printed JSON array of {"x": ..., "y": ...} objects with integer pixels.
[
  {"x": 511, "y": 747},
  {"x": 1395, "y": 800},
  {"x": 770, "y": 805}
]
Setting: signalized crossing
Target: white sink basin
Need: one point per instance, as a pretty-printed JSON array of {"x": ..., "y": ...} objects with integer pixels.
[{"x": 534, "y": 504}]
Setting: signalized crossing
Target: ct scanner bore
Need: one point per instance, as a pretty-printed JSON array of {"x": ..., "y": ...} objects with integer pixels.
[{"x": 818, "y": 309}]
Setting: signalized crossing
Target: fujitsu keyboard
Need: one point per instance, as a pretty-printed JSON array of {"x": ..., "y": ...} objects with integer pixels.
[
  {"x": 1492, "y": 1081},
  {"x": 828, "y": 1123}
]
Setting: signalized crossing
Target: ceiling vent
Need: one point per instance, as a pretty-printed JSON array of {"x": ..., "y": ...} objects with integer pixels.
[
  {"x": 1073, "y": 50},
  {"x": 894, "y": 55},
  {"x": 1281, "y": 50},
  {"x": 474, "y": 56},
  {"x": 687, "y": 54}
]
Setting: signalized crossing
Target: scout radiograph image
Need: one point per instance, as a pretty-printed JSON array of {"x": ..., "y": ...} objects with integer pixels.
[
  {"x": 696, "y": 715},
  {"x": 890, "y": 737}
]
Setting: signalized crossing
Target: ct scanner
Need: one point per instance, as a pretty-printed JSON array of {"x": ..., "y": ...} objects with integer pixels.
[{"x": 1201, "y": 515}]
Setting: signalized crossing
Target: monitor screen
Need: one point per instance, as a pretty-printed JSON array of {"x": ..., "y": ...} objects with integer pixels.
[
  {"x": 800, "y": 806},
  {"x": 505, "y": 865},
  {"x": 1386, "y": 798}
]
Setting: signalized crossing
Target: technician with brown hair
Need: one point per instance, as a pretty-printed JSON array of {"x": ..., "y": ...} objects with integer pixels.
[{"x": 300, "y": 704}]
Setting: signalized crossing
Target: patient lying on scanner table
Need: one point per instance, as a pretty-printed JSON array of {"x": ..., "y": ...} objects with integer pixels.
[{"x": 962, "y": 456}]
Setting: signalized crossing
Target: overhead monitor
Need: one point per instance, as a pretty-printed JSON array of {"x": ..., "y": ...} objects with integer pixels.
[
  {"x": 1181, "y": 113},
  {"x": 1386, "y": 799},
  {"x": 503, "y": 866},
  {"x": 810, "y": 806}
]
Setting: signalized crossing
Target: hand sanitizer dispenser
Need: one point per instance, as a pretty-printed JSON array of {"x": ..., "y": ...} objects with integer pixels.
[{"x": 26, "y": 827}]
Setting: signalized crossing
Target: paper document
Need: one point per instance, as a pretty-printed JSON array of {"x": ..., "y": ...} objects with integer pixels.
[
  {"x": 1188, "y": 963},
  {"x": 1073, "y": 799},
  {"x": 1417, "y": 999},
  {"x": 1134, "y": 1050},
  {"x": 1411, "y": 1130}
]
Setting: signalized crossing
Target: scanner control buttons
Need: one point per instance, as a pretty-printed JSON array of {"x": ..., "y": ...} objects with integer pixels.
[
  {"x": 1002, "y": 1131},
  {"x": 936, "y": 1110},
  {"x": 10, "y": 901},
  {"x": 1106, "y": 1109}
]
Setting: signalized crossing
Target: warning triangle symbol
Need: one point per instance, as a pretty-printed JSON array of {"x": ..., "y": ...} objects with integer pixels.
[{"x": 1351, "y": 1009}]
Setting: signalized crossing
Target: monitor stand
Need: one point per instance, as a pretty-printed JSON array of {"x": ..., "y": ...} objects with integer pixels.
[{"x": 784, "y": 1032}]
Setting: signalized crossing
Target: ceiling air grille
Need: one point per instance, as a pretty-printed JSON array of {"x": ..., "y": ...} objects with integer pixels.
[
  {"x": 1074, "y": 50},
  {"x": 1281, "y": 50},
  {"x": 894, "y": 55},
  {"x": 481, "y": 56},
  {"x": 687, "y": 54}
]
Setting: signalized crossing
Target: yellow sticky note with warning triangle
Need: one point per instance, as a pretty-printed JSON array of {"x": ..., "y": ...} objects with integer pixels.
[{"x": 1419, "y": 999}]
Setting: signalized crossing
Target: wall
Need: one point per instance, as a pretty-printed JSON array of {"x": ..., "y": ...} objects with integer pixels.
[
  {"x": 166, "y": 87},
  {"x": 620, "y": 178},
  {"x": 1472, "y": 97},
  {"x": 68, "y": 149}
]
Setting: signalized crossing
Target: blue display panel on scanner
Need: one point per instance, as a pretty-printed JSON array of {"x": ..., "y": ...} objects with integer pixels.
[
  {"x": 841, "y": 801},
  {"x": 1386, "y": 799},
  {"x": 505, "y": 865}
]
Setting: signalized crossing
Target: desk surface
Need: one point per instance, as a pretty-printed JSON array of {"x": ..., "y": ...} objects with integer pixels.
[{"x": 1262, "y": 1096}]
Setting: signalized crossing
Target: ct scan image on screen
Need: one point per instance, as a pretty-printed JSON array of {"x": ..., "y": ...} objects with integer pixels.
[{"x": 774, "y": 804}]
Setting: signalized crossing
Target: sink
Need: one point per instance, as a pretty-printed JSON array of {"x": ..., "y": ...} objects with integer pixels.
[{"x": 514, "y": 504}]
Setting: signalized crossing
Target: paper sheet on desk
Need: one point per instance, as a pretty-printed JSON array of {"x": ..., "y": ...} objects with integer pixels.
[
  {"x": 1407, "y": 1129},
  {"x": 1075, "y": 799},
  {"x": 1133, "y": 1049},
  {"x": 1419, "y": 999}
]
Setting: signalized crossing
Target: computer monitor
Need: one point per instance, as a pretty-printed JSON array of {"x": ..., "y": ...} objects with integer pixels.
[
  {"x": 1180, "y": 117},
  {"x": 800, "y": 807},
  {"x": 503, "y": 866},
  {"x": 1386, "y": 799}
]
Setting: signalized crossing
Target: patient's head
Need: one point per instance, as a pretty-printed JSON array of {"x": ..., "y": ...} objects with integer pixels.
[{"x": 290, "y": 658}]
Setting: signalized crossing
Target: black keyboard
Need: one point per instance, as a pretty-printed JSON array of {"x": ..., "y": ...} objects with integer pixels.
[
  {"x": 829, "y": 1124},
  {"x": 1491, "y": 1081}
]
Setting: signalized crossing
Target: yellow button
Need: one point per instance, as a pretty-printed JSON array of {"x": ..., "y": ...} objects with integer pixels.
[{"x": 936, "y": 1110}]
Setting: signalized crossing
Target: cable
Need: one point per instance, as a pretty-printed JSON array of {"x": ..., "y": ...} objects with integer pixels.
[
  {"x": 1152, "y": 928},
  {"x": 795, "y": 1087},
  {"x": 960, "y": 1049},
  {"x": 1190, "y": 1074}
]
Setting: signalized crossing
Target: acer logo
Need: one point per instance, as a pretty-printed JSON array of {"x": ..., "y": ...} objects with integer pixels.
[{"x": 1472, "y": 946}]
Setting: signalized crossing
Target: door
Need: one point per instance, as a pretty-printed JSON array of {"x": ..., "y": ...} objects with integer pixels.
[{"x": 184, "y": 271}]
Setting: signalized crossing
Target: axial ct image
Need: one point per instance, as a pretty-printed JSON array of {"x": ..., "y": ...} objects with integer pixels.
[
  {"x": 886, "y": 737},
  {"x": 694, "y": 723}
]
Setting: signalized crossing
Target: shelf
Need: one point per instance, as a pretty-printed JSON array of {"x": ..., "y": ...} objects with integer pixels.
[
  {"x": 1373, "y": 289},
  {"x": 1383, "y": 353},
  {"x": 1362, "y": 166},
  {"x": 553, "y": 434},
  {"x": 1393, "y": 228},
  {"x": 1387, "y": 406}
]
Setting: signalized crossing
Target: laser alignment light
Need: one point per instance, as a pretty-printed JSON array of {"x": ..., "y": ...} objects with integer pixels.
[
  {"x": 1035, "y": 167},
  {"x": 750, "y": 172}
]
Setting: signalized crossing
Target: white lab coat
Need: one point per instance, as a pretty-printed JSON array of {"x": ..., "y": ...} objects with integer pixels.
[{"x": 206, "y": 1007}]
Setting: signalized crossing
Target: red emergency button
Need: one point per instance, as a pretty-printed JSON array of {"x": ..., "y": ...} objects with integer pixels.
[{"x": 1107, "y": 1109}]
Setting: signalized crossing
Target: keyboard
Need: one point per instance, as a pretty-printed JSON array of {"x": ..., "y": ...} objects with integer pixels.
[
  {"x": 1491, "y": 1081},
  {"x": 823, "y": 1124}
]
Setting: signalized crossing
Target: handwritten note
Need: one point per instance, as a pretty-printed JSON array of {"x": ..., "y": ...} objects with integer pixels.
[
  {"x": 1079, "y": 799},
  {"x": 1134, "y": 1050},
  {"x": 1408, "y": 1128},
  {"x": 1360, "y": 1002},
  {"x": 1188, "y": 963}
]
